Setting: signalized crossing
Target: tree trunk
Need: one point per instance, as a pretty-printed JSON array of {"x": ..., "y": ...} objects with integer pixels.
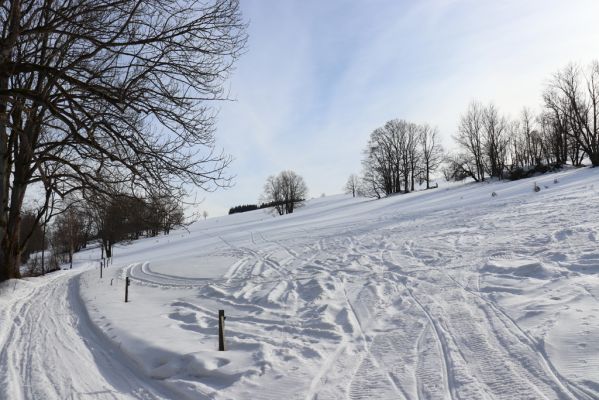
[
  {"x": 10, "y": 256},
  {"x": 10, "y": 248},
  {"x": 427, "y": 177},
  {"x": 43, "y": 248},
  {"x": 108, "y": 248}
]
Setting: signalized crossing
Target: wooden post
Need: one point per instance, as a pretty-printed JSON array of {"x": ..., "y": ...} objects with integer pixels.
[
  {"x": 221, "y": 330},
  {"x": 43, "y": 248},
  {"x": 101, "y": 270},
  {"x": 127, "y": 283}
]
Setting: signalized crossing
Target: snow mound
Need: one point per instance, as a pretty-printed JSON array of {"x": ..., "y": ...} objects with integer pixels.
[
  {"x": 520, "y": 268},
  {"x": 200, "y": 365}
]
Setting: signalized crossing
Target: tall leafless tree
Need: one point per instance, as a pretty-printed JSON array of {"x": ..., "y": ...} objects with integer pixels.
[
  {"x": 470, "y": 139},
  {"x": 431, "y": 151},
  {"x": 495, "y": 141},
  {"x": 352, "y": 185},
  {"x": 97, "y": 92}
]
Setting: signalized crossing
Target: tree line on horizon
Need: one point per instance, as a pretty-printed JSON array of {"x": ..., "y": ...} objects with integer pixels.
[
  {"x": 489, "y": 144},
  {"x": 251, "y": 207}
]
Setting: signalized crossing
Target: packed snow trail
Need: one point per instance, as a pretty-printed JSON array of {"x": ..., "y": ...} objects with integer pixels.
[{"x": 53, "y": 351}]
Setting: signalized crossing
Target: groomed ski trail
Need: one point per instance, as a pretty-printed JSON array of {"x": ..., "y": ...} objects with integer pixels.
[{"x": 53, "y": 351}]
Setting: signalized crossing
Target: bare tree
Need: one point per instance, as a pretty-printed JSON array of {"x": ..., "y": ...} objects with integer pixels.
[
  {"x": 381, "y": 164},
  {"x": 352, "y": 185},
  {"x": 273, "y": 194},
  {"x": 117, "y": 89},
  {"x": 431, "y": 150},
  {"x": 554, "y": 137},
  {"x": 470, "y": 139},
  {"x": 532, "y": 139},
  {"x": 285, "y": 191},
  {"x": 573, "y": 95},
  {"x": 411, "y": 155},
  {"x": 294, "y": 190},
  {"x": 495, "y": 141},
  {"x": 370, "y": 183},
  {"x": 70, "y": 232}
]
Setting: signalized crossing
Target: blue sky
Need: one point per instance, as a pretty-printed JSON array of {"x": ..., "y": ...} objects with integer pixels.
[{"x": 319, "y": 76}]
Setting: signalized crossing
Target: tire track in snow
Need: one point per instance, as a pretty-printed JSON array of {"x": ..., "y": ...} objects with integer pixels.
[
  {"x": 568, "y": 388},
  {"x": 448, "y": 379},
  {"x": 398, "y": 390},
  {"x": 561, "y": 384},
  {"x": 427, "y": 371}
]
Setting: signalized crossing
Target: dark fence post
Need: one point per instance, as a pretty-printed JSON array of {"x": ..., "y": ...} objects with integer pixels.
[
  {"x": 221, "y": 330},
  {"x": 101, "y": 270},
  {"x": 127, "y": 283}
]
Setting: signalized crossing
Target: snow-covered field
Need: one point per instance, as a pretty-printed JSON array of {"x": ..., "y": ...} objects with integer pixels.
[{"x": 441, "y": 294}]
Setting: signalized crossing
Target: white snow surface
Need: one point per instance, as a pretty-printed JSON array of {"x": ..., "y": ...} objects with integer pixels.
[{"x": 448, "y": 293}]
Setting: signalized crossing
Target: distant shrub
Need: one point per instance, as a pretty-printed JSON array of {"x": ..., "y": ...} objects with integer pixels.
[
  {"x": 243, "y": 208},
  {"x": 271, "y": 204},
  {"x": 252, "y": 207}
]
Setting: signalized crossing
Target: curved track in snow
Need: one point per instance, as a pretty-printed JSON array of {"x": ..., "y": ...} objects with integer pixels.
[{"x": 53, "y": 351}]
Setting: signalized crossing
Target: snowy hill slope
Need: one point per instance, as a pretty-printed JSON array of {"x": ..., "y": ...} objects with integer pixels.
[{"x": 441, "y": 294}]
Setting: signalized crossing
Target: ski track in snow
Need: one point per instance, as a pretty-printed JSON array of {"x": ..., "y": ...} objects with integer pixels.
[
  {"x": 53, "y": 351},
  {"x": 383, "y": 300}
]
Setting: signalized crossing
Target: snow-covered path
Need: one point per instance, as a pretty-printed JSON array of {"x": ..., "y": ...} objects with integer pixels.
[
  {"x": 447, "y": 294},
  {"x": 52, "y": 350}
]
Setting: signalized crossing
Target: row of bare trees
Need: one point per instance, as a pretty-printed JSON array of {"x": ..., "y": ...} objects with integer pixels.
[
  {"x": 398, "y": 154},
  {"x": 112, "y": 219},
  {"x": 490, "y": 144},
  {"x": 106, "y": 220},
  {"x": 566, "y": 131},
  {"x": 101, "y": 93}
]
